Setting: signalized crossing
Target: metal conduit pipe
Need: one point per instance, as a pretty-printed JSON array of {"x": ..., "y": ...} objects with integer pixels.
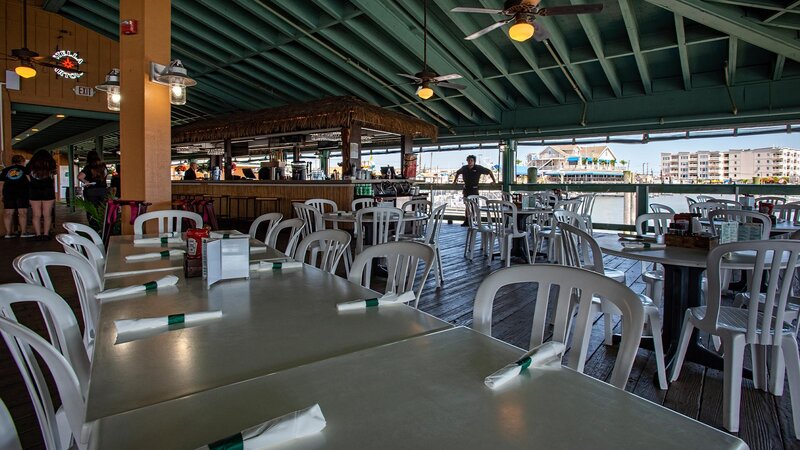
[
  {"x": 571, "y": 80},
  {"x": 355, "y": 64}
]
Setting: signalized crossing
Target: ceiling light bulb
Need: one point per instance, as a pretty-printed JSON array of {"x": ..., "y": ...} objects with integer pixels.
[
  {"x": 34, "y": 130},
  {"x": 425, "y": 92},
  {"x": 25, "y": 71},
  {"x": 521, "y": 31},
  {"x": 177, "y": 94},
  {"x": 60, "y": 116}
]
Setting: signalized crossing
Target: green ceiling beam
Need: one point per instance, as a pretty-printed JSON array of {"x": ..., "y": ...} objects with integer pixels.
[
  {"x": 770, "y": 5},
  {"x": 439, "y": 58},
  {"x": 777, "y": 71},
  {"x": 53, "y": 5},
  {"x": 596, "y": 40},
  {"x": 788, "y": 8},
  {"x": 84, "y": 114},
  {"x": 683, "y": 52},
  {"x": 91, "y": 134},
  {"x": 629, "y": 18},
  {"x": 723, "y": 18},
  {"x": 786, "y": 22},
  {"x": 661, "y": 111},
  {"x": 90, "y": 20},
  {"x": 46, "y": 123},
  {"x": 228, "y": 98},
  {"x": 560, "y": 45},
  {"x": 467, "y": 25},
  {"x": 733, "y": 56}
]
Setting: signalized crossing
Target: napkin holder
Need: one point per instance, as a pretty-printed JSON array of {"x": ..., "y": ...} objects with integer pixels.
[
  {"x": 192, "y": 267},
  {"x": 696, "y": 241},
  {"x": 225, "y": 259}
]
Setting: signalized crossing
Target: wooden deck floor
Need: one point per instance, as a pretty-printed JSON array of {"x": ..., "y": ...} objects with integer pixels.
[{"x": 765, "y": 419}]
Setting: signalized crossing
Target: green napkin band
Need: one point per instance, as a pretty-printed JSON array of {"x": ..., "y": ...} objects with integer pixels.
[
  {"x": 151, "y": 285},
  {"x": 277, "y": 266},
  {"x": 164, "y": 254},
  {"x": 524, "y": 363},
  {"x": 178, "y": 318},
  {"x": 371, "y": 302},
  {"x": 226, "y": 236},
  {"x": 165, "y": 240},
  {"x": 234, "y": 442}
]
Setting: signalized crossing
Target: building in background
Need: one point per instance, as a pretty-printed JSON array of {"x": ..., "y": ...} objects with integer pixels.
[
  {"x": 733, "y": 165},
  {"x": 565, "y": 163}
]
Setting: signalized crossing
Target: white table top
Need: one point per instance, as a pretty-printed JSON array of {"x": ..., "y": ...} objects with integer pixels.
[
  {"x": 425, "y": 392},
  {"x": 272, "y": 322}
]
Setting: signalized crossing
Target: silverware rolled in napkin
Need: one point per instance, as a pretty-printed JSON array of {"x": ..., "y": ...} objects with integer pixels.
[
  {"x": 538, "y": 357},
  {"x": 294, "y": 425},
  {"x": 155, "y": 255},
  {"x": 276, "y": 265},
  {"x": 149, "y": 323},
  {"x": 169, "y": 280},
  {"x": 389, "y": 299},
  {"x": 158, "y": 241}
]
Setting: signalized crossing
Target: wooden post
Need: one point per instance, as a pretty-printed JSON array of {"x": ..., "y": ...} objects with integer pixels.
[
  {"x": 406, "y": 143},
  {"x": 71, "y": 176},
  {"x": 228, "y": 160},
  {"x": 351, "y": 149},
  {"x": 145, "y": 109},
  {"x": 98, "y": 145}
]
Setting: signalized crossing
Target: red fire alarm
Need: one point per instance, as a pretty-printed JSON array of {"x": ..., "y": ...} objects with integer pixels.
[{"x": 129, "y": 27}]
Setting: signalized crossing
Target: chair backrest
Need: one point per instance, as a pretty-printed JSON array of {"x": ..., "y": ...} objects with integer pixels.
[
  {"x": 689, "y": 202},
  {"x": 659, "y": 221},
  {"x": 83, "y": 248},
  {"x": 168, "y": 221},
  {"x": 418, "y": 207},
  {"x": 380, "y": 221},
  {"x": 573, "y": 205},
  {"x": 323, "y": 205},
  {"x": 570, "y": 283},
  {"x": 587, "y": 204},
  {"x": 478, "y": 198},
  {"x": 728, "y": 204},
  {"x": 741, "y": 216},
  {"x": 788, "y": 212},
  {"x": 24, "y": 342},
  {"x": 473, "y": 211},
  {"x": 703, "y": 208},
  {"x": 66, "y": 351},
  {"x": 569, "y": 217},
  {"x": 502, "y": 217},
  {"x": 506, "y": 196},
  {"x": 705, "y": 198},
  {"x": 774, "y": 262},
  {"x": 579, "y": 249},
  {"x": 34, "y": 268},
  {"x": 547, "y": 199},
  {"x": 295, "y": 227},
  {"x": 360, "y": 203},
  {"x": 9, "y": 439},
  {"x": 773, "y": 200},
  {"x": 434, "y": 226},
  {"x": 270, "y": 219},
  {"x": 87, "y": 232},
  {"x": 330, "y": 245},
  {"x": 661, "y": 208},
  {"x": 402, "y": 262},
  {"x": 311, "y": 216}
]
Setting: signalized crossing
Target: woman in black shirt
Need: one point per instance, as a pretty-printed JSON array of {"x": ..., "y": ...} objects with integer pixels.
[
  {"x": 15, "y": 196},
  {"x": 42, "y": 170},
  {"x": 95, "y": 189}
]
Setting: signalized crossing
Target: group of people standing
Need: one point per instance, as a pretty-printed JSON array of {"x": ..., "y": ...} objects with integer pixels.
[{"x": 34, "y": 186}]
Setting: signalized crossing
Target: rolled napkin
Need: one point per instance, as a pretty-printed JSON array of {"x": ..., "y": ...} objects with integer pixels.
[
  {"x": 158, "y": 241},
  {"x": 276, "y": 265},
  {"x": 169, "y": 280},
  {"x": 387, "y": 300},
  {"x": 155, "y": 255},
  {"x": 643, "y": 245},
  {"x": 537, "y": 357},
  {"x": 227, "y": 234},
  {"x": 131, "y": 325},
  {"x": 277, "y": 431}
]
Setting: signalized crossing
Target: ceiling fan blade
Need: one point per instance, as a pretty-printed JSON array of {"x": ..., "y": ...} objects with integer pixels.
[
  {"x": 477, "y": 10},
  {"x": 56, "y": 66},
  {"x": 491, "y": 27},
  {"x": 447, "y": 85},
  {"x": 410, "y": 77},
  {"x": 540, "y": 34},
  {"x": 565, "y": 10},
  {"x": 452, "y": 76}
]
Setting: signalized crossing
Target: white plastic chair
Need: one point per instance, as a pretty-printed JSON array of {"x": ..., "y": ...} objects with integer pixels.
[
  {"x": 653, "y": 279},
  {"x": 381, "y": 221},
  {"x": 502, "y": 220},
  {"x": 66, "y": 361},
  {"x": 706, "y": 198},
  {"x": 764, "y": 329},
  {"x": 402, "y": 262},
  {"x": 661, "y": 208},
  {"x": 9, "y": 440},
  {"x": 586, "y": 208},
  {"x": 418, "y": 207},
  {"x": 432, "y": 230},
  {"x": 311, "y": 216},
  {"x": 84, "y": 248},
  {"x": 690, "y": 201},
  {"x": 330, "y": 244},
  {"x": 729, "y": 204},
  {"x": 772, "y": 200},
  {"x": 360, "y": 203},
  {"x": 295, "y": 227},
  {"x": 324, "y": 206},
  {"x": 271, "y": 219},
  {"x": 741, "y": 216},
  {"x": 574, "y": 286},
  {"x": 168, "y": 221},
  {"x": 475, "y": 226},
  {"x": 34, "y": 269},
  {"x": 788, "y": 212},
  {"x": 703, "y": 208},
  {"x": 87, "y": 232}
]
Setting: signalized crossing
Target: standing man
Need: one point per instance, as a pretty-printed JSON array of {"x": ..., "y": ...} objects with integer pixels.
[
  {"x": 15, "y": 196},
  {"x": 191, "y": 173},
  {"x": 472, "y": 176}
]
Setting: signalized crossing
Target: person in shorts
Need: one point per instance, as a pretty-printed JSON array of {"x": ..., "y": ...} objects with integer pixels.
[
  {"x": 42, "y": 188},
  {"x": 15, "y": 196},
  {"x": 471, "y": 173}
]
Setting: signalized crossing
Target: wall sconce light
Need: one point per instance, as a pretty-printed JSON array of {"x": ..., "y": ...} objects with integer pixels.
[
  {"x": 111, "y": 87},
  {"x": 175, "y": 77}
]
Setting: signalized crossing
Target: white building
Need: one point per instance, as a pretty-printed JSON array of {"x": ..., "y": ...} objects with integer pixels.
[{"x": 737, "y": 164}]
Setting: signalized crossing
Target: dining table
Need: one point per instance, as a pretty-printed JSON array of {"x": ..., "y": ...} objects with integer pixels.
[{"x": 426, "y": 391}]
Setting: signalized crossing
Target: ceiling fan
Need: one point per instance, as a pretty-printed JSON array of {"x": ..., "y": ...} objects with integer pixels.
[
  {"x": 425, "y": 79},
  {"x": 28, "y": 58},
  {"x": 523, "y": 13}
]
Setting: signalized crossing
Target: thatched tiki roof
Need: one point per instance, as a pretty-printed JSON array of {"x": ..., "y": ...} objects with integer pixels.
[{"x": 334, "y": 112}]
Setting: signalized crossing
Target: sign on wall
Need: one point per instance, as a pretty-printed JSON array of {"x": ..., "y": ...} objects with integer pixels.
[
  {"x": 66, "y": 59},
  {"x": 84, "y": 91}
]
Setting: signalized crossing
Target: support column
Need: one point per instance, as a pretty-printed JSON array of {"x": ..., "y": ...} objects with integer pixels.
[
  {"x": 406, "y": 148},
  {"x": 71, "y": 176},
  {"x": 324, "y": 158},
  {"x": 145, "y": 109},
  {"x": 509, "y": 164},
  {"x": 5, "y": 104},
  {"x": 351, "y": 149},
  {"x": 228, "y": 160},
  {"x": 99, "y": 143}
]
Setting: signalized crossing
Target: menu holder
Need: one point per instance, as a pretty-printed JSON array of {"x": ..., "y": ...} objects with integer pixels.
[
  {"x": 225, "y": 259},
  {"x": 696, "y": 241}
]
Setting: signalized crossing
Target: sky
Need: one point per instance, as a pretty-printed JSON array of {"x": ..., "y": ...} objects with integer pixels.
[{"x": 648, "y": 155}]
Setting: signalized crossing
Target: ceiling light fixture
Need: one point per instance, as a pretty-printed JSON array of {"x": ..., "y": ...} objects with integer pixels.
[
  {"x": 522, "y": 30},
  {"x": 175, "y": 76},
  {"x": 425, "y": 92},
  {"x": 111, "y": 87},
  {"x": 25, "y": 70},
  {"x": 60, "y": 116}
]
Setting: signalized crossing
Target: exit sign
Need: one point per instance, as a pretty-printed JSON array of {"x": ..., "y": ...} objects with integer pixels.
[{"x": 84, "y": 91}]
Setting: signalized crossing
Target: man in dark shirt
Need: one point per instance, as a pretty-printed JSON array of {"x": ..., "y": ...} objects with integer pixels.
[
  {"x": 191, "y": 173},
  {"x": 471, "y": 173},
  {"x": 15, "y": 196}
]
